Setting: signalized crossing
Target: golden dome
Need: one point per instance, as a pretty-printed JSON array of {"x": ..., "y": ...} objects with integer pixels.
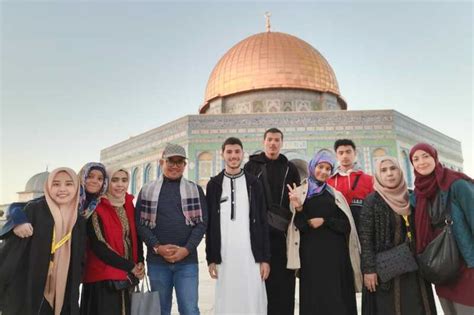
[{"x": 270, "y": 60}]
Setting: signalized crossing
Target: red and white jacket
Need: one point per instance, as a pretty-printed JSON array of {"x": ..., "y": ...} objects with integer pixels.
[{"x": 355, "y": 185}]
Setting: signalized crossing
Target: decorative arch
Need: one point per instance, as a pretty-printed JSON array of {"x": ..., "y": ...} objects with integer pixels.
[
  {"x": 376, "y": 153},
  {"x": 147, "y": 173},
  {"x": 134, "y": 181},
  {"x": 407, "y": 167},
  {"x": 204, "y": 168},
  {"x": 301, "y": 166},
  {"x": 294, "y": 154},
  {"x": 158, "y": 169}
]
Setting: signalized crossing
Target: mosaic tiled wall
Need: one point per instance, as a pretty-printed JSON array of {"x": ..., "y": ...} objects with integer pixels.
[
  {"x": 375, "y": 133},
  {"x": 274, "y": 101}
]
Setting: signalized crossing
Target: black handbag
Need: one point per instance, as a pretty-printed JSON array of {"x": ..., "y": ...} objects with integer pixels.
[
  {"x": 278, "y": 216},
  {"x": 397, "y": 260},
  {"x": 439, "y": 262},
  {"x": 128, "y": 283}
]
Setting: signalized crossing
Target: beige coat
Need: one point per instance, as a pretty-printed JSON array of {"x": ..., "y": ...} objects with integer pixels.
[{"x": 293, "y": 236}]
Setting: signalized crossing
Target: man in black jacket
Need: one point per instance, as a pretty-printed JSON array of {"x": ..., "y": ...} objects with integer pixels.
[
  {"x": 237, "y": 240},
  {"x": 275, "y": 172}
]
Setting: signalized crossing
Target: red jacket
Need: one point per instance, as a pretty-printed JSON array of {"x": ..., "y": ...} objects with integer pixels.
[
  {"x": 95, "y": 268},
  {"x": 344, "y": 183}
]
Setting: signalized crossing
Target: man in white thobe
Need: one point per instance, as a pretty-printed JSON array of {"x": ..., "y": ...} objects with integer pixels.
[{"x": 237, "y": 239}]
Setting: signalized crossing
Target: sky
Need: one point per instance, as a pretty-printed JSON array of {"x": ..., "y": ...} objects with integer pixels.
[{"x": 79, "y": 76}]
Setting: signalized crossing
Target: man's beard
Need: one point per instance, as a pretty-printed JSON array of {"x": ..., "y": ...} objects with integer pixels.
[{"x": 234, "y": 167}]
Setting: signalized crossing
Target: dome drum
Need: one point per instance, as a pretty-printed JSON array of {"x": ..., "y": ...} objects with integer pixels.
[{"x": 275, "y": 100}]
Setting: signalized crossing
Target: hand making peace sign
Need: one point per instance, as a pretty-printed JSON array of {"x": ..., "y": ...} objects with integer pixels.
[{"x": 294, "y": 198}]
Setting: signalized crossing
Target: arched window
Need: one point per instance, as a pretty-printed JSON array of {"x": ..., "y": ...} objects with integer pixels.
[
  {"x": 158, "y": 169},
  {"x": 407, "y": 166},
  {"x": 379, "y": 152},
  {"x": 204, "y": 168},
  {"x": 134, "y": 181},
  {"x": 295, "y": 154},
  {"x": 301, "y": 166},
  {"x": 147, "y": 174}
]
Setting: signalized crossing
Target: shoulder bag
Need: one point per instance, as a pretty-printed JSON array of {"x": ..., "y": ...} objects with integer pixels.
[
  {"x": 399, "y": 259},
  {"x": 144, "y": 301}
]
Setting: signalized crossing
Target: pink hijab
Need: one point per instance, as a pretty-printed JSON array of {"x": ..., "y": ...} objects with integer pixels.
[
  {"x": 65, "y": 217},
  {"x": 396, "y": 197}
]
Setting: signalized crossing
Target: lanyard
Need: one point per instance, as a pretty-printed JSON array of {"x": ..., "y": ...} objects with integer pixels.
[{"x": 56, "y": 246}]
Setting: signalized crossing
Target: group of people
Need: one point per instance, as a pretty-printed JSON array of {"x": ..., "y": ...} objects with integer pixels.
[
  {"x": 264, "y": 227},
  {"x": 82, "y": 231}
]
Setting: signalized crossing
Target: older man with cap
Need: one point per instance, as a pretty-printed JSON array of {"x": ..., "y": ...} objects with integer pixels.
[{"x": 172, "y": 216}]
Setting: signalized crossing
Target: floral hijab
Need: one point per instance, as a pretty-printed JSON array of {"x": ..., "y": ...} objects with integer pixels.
[{"x": 88, "y": 202}]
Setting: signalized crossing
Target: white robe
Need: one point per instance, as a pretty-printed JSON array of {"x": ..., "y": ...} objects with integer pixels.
[{"x": 239, "y": 287}]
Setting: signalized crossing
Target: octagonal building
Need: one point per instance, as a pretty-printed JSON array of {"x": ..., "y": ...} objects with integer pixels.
[{"x": 274, "y": 79}]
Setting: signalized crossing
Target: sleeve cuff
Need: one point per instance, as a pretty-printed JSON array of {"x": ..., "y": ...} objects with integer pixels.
[
  {"x": 368, "y": 270},
  {"x": 152, "y": 241},
  {"x": 190, "y": 247}
]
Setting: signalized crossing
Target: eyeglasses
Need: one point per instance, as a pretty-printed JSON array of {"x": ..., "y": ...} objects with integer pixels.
[{"x": 178, "y": 163}]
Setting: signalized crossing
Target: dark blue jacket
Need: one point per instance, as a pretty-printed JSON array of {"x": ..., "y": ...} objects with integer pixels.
[{"x": 15, "y": 216}]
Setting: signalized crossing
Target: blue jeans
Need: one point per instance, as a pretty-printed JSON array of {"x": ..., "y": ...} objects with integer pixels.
[{"x": 184, "y": 278}]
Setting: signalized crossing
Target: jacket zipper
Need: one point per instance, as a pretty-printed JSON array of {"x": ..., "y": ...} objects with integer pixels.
[{"x": 250, "y": 201}]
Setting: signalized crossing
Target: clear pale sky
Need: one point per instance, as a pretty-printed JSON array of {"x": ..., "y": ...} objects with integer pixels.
[{"x": 77, "y": 77}]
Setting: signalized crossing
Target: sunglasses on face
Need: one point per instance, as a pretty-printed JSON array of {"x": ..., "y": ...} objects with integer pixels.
[{"x": 175, "y": 162}]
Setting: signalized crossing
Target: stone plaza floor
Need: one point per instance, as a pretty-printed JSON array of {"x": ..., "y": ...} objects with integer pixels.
[{"x": 206, "y": 290}]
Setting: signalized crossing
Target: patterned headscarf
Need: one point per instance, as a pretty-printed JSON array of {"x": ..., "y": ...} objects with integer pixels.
[
  {"x": 315, "y": 187},
  {"x": 88, "y": 202}
]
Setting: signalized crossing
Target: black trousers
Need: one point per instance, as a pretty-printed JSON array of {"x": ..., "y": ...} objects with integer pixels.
[
  {"x": 280, "y": 284},
  {"x": 99, "y": 298}
]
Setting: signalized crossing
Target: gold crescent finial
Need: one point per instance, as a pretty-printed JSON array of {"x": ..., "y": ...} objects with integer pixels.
[{"x": 267, "y": 20}]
